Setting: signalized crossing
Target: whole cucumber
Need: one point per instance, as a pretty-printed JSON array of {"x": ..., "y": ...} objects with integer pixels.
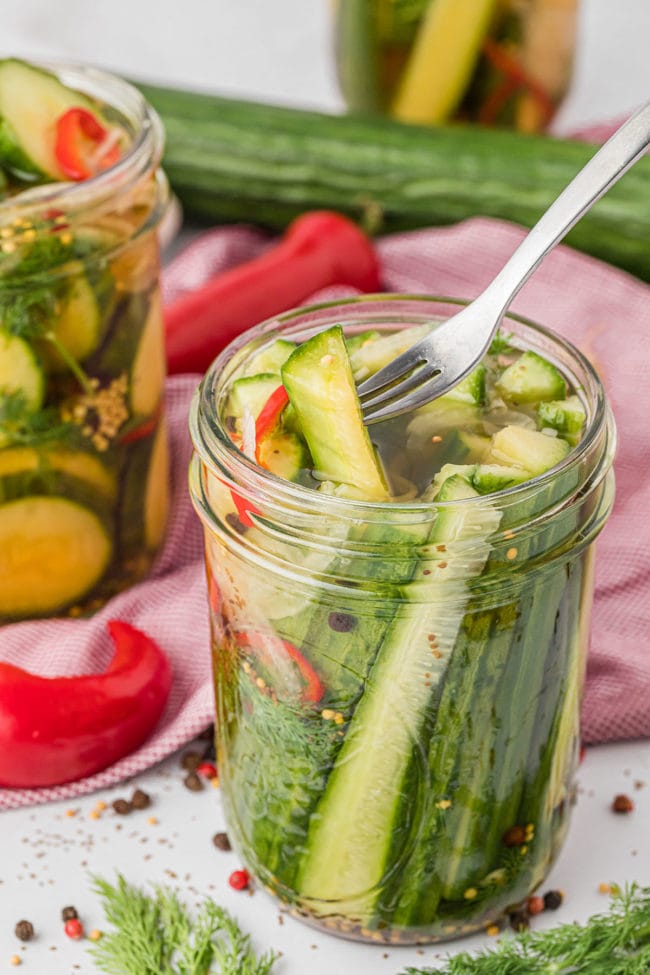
[{"x": 234, "y": 160}]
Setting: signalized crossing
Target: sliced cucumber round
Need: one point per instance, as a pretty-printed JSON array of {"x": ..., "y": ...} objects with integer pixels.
[
  {"x": 78, "y": 464},
  {"x": 20, "y": 371},
  {"x": 77, "y": 327},
  {"x": 31, "y": 100},
  {"x": 52, "y": 553}
]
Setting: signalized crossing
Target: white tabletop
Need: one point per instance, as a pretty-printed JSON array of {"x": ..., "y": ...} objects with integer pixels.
[
  {"x": 280, "y": 52},
  {"x": 48, "y": 853}
]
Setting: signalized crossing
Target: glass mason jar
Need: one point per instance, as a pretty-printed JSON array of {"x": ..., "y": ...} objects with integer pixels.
[
  {"x": 83, "y": 445},
  {"x": 495, "y": 62},
  {"x": 397, "y": 747}
]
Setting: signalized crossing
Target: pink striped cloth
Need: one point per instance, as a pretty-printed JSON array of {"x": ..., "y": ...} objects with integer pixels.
[{"x": 602, "y": 310}]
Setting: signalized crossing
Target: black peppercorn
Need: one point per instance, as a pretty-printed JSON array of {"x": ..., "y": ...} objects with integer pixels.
[
  {"x": 69, "y": 914},
  {"x": 553, "y": 899},
  {"x": 341, "y": 622},
  {"x": 236, "y": 523},
  {"x": 24, "y": 930}
]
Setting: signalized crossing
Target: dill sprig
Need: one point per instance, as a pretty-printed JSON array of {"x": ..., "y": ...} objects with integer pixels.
[
  {"x": 155, "y": 934},
  {"x": 21, "y": 426},
  {"x": 616, "y": 943}
]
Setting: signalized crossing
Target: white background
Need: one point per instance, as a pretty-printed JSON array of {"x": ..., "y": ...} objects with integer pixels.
[{"x": 279, "y": 50}]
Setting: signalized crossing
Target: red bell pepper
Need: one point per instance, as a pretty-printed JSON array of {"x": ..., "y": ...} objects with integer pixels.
[
  {"x": 318, "y": 249},
  {"x": 312, "y": 687},
  {"x": 83, "y": 146},
  {"x": 55, "y": 730}
]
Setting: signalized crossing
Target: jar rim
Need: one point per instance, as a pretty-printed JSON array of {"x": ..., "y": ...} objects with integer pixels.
[
  {"x": 215, "y": 447},
  {"x": 143, "y": 154}
]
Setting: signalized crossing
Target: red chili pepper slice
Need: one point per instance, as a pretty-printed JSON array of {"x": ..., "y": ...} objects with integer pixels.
[
  {"x": 59, "y": 729},
  {"x": 270, "y": 413},
  {"x": 514, "y": 78},
  {"x": 144, "y": 429},
  {"x": 268, "y": 418},
  {"x": 244, "y": 509},
  {"x": 78, "y": 145},
  {"x": 313, "y": 688}
]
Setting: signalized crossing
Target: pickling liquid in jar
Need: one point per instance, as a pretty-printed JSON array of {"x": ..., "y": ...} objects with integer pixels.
[
  {"x": 83, "y": 443},
  {"x": 398, "y": 682}
]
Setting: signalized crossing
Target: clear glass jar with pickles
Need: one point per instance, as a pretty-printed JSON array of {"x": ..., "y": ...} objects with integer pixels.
[
  {"x": 399, "y": 614},
  {"x": 83, "y": 444},
  {"x": 492, "y": 62}
]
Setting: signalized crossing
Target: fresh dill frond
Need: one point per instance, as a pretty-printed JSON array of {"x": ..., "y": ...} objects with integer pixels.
[
  {"x": 501, "y": 344},
  {"x": 156, "y": 934},
  {"x": 21, "y": 426},
  {"x": 616, "y": 943}
]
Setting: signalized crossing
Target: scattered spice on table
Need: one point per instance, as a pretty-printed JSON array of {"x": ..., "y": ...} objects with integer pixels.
[
  {"x": 535, "y": 905},
  {"x": 622, "y": 804},
  {"x": 24, "y": 930},
  {"x": 239, "y": 880},
  {"x": 193, "y": 782},
  {"x": 222, "y": 842},
  {"x": 122, "y": 807},
  {"x": 140, "y": 799},
  {"x": 190, "y": 761},
  {"x": 74, "y": 929},
  {"x": 208, "y": 770},
  {"x": 553, "y": 899}
]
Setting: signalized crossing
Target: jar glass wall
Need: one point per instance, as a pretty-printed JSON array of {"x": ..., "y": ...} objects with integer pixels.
[
  {"x": 83, "y": 447},
  {"x": 397, "y": 715}
]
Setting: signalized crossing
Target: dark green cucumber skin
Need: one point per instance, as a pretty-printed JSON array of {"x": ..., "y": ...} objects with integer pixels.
[
  {"x": 489, "y": 756},
  {"x": 233, "y": 160}
]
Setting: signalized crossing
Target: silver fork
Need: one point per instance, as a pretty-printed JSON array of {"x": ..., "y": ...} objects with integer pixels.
[{"x": 440, "y": 360}]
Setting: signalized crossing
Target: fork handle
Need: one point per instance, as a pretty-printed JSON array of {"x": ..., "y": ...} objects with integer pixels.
[{"x": 604, "y": 169}]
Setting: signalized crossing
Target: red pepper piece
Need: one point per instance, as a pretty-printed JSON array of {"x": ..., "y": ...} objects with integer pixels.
[
  {"x": 313, "y": 688},
  {"x": 144, "y": 429},
  {"x": 319, "y": 249},
  {"x": 244, "y": 509},
  {"x": 268, "y": 418},
  {"x": 270, "y": 413},
  {"x": 55, "y": 730},
  {"x": 514, "y": 78},
  {"x": 77, "y": 149}
]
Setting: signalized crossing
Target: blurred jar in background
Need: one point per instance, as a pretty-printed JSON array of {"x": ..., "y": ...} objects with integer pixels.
[{"x": 491, "y": 62}]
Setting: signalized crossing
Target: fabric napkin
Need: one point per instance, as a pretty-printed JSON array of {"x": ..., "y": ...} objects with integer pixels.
[{"x": 602, "y": 310}]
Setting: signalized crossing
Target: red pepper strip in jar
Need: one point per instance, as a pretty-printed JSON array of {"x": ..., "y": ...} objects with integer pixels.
[
  {"x": 55, "y": 730},
  {"x": 514, "y": 78},
  {"x": 312, "y": 689},
  {"x": 83, "y": 146},
  {"x": 319, "y": 249},
  {"x": 269, "y": 416}
]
